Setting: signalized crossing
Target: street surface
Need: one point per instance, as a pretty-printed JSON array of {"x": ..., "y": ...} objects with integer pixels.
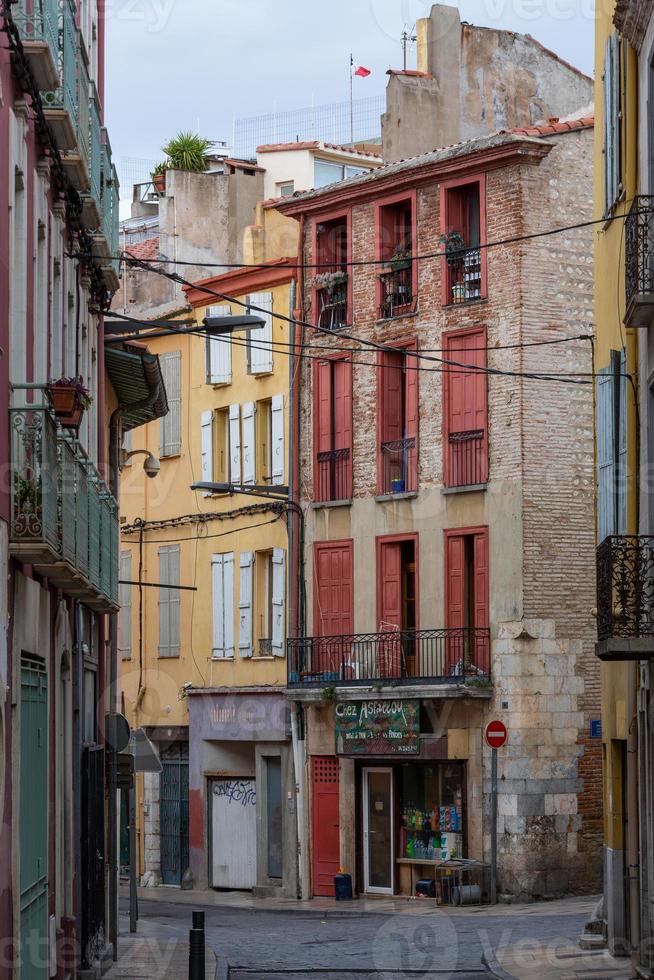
[{"x": 423, "y": 941}]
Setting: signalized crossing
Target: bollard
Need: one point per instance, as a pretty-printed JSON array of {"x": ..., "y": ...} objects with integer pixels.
[{"x": 196, "y": 948}]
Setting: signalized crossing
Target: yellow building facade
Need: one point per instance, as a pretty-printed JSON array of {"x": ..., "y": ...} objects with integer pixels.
[
  {"x": 617, "y": 459},
  {"x": 204, "y": 663}
]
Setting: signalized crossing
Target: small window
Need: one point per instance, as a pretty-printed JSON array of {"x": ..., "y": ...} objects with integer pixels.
[
  {"x": 286, "y": 188},
  {"x": 327, "y": 173},
  {"x": 263, "y": 570}
]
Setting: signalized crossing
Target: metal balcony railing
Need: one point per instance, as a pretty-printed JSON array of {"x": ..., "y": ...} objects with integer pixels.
[
  {"x": 66, "y": 96},
  {"x": 467, "y": 462},
  {"x": 110, "y": 205},
  {"x": 399, "y": 466},
  {"x": 464, "y": 275},
  {"x": 405, "y": 656},
  {"x": 396, "y": 292},
  {"x": 639, "y": 262},
  {"x": 83, "y": 121},
  {"x": 625, "y": 587},
  {"x": 64, "y": 520},
  {"x": 38, "y": 20},
  {"x": 332, "y": 307},
  {"x": 334, "y": 475},
  {"x": 95, "y": 146}
]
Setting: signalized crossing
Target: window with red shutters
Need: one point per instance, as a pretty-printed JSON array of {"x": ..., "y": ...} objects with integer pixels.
[
  {"x": 465, "y": 394},
  {"x": 463, "y": 235},
  {"x": 397, "y": 447},
  {"x": 332, "y": 412},
  {"x": 466, "y": 601},
  {"x": 332, "y": 281},
  {"x": 396, "y": 244}
]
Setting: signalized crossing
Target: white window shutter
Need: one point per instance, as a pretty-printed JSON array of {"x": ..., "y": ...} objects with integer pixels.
[
  {"x": 260, "y": 341},
  {"x": 222, "y": 575},
  {"x": 169, "y": 601},
  {"x": 277, "y": 438},
  {"x": 278, "y": 602},
  {"x": 228, "y": 593},
  {"x": 170, "y": 431},
  {"x": 218, "y": 603},
  {"x": 125, "y": 615},
  {"x": 245, "y": 605},
  {"x": 235, "y": 444},
  {"x": 219, "y": 351},
  {"x": 249, "y": 443},
  {"x": 206, "y": 447}
]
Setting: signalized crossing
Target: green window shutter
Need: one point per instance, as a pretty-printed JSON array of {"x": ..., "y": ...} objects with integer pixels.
[{"x": 605, "y": 428}]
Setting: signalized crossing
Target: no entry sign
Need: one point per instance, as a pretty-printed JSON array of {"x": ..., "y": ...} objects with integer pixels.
[{"x": 496, "y": 734}]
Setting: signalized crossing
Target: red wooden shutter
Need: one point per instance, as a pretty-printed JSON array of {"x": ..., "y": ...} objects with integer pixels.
[
  {"x": 455, "y": 614},
  {"x": 390, "y": 382},
  {"x": 342, "y": 393},
  {"x": 411, "y": 416},
  {"x": 389, "y": 584},
  {"x": 333, "y": 600},
  {"x": 322, "y": 424},
  {"x": 481, "y": 591},
  {"x": 466, "y": 398}
]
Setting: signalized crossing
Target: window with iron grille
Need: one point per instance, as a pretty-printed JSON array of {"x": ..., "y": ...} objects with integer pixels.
[
  {"x": 332, "y": 412},
  {"x": 463, "y": 235}
]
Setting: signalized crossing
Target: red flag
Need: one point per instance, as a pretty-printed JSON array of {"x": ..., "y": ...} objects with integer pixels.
[{"x": 362, "y": 72}]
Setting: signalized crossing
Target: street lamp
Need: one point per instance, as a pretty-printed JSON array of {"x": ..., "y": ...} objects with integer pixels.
[
  {"x": 217, "y": 326},
  {"x": 278, "y": 492}
]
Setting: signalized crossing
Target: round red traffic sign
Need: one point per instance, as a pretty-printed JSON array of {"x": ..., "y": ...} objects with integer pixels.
[{"x": 496, "y": 734}]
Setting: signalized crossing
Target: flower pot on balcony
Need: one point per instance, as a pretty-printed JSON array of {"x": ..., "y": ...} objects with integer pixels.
[
  {"x": 63, "y": 398},
  {"x": 458, "y": 292},
  {"x": 73, "y": 420},
  {"x": 159, "y": 183},
  {"x": 398, "y": 485}
]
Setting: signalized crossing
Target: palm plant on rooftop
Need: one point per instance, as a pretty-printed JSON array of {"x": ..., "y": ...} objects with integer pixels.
[{"x": 187, "y": 151}]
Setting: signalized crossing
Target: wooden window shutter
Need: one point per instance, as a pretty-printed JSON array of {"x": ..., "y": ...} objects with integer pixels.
[
  {"x": 235, "y": 444},
  {"x": 411, "y": 413},
  {"x": 481, "y": 580},
  {"x": 277, "y": 438},
  {"x": 260, "y": 351},
  {"x": 125, "y": 615},
  {"x": 342, "y": 402},
  {"x": 605, "y": 427},
  {"x": 621, "y": 475},
  {"x": 389, "y": 584},
  {"x": 322, "y": 420},
  {"x": 206, "y": 447},
  {"x": 248, "y": 443},
  {"x": 222, "y": 572},
  {"x": 170, "y": 431},
  {"x": 219, "y": 351},
  {"x": 454, "y": 581},
  {"x": 245, "y": 605},
  {"x": 169, "y": 601},
  {"x": 278, "y": 602}
]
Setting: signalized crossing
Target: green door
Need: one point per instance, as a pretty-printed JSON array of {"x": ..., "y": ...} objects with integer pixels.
[{"x": 33, "y": 819}]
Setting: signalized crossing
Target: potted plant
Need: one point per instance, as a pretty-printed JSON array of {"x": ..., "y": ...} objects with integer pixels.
[
  {"x": 454, "y": 252},
  {"x": 159, "y": 177},
  {"x": 187, "y": 151},
  {"x": 401, "y": 259},
  {"x": 330, "y": 281},
  {"x": 70, "y": 399}
]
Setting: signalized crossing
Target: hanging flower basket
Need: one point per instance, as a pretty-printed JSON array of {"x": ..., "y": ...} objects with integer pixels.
[{"x": 69, "y": 399}]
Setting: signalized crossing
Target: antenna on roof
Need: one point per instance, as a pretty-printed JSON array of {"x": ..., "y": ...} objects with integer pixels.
[{"x": 407, "y": 38}]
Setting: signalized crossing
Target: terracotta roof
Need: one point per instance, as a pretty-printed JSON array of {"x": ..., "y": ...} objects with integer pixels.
[
  {"x": 243, "y": 164},
  {"x": 411, "y": 72},
  {"x": 553, "y": 127},
  {"x": 147, "y": 250},
  {"x": 315, "y": 145}
]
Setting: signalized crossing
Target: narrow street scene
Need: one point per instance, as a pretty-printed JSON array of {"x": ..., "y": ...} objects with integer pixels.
[{"x": 326, "y": 531}]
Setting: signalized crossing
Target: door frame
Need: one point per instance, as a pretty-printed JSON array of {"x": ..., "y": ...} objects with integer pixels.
[
  {"x": 384, "y": 539},
  {"x": 367, "y": 888}
]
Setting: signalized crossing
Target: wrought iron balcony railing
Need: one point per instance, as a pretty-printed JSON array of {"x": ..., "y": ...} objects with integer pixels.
[
  {"x": 405, "y": 656},
  {"x": 38, "y": 24},
  {"x": 332, "y": 307},
  {"x": 396, "y": 292},
  {"x": 467, "y": 460},
  {"x": 65, "y": 97},
  {"x": 464, "y": 275},
  {"x": 399, "y": 466},
  {"x": 639, "y": 262},
  {"x": 334, "y": 475},
  {"x": 64, "y": 520},
  {"x": 625, "y": 592}
]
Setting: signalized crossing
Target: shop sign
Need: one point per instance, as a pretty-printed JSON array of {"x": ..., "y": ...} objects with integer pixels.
[{"x": 377, "y": 728}]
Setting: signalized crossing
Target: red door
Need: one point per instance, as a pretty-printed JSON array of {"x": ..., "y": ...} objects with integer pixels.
[
  {"x": 324, "y": 824},
  {"x": 333, "y": 597},
  {"x": 389, "y": 608}
]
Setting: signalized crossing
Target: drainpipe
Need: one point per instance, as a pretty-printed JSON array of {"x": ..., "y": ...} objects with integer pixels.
[{"x": 114, "y": 485}]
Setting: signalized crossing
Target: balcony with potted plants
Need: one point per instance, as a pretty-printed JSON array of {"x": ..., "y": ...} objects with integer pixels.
[
  {"x": 396, "y": 282},
  {"x": 64, "y": 520},
  {"x": 331, "y": 298},
  {"x": 463, "y": 269},
  {"x": 38, "y": 24},
  {"x": 61, "y": 105}
]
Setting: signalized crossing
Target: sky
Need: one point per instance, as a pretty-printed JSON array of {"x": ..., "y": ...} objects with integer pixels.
[{"x": 197, "y": 64}]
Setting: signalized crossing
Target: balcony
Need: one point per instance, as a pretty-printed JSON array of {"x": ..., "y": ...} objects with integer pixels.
[
  {"x": 76, "y": 161},
  {"x": 92, "y": 201},
  {"x": 332, "y": 306},
  {"x": 639, "y": 262},
  {"x": 38, "y": 24},
  {"x": 396, "y": 293},
  {"x": 467, "y": 464},
  {"x": 64, "y": 520},
  {"x": 399, "y": 469},
  {"x": 105, "y": 239},
  {"x": 464, "y": 275},
  {"x": 334, "y": 475},
  {"x": 406, "y": 657},
  {"x": 61, "y": 105},
  {"x": 625, "y": 598}
]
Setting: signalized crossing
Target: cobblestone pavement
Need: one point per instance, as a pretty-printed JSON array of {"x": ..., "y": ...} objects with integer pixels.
[{"x": 406, "y": 940}]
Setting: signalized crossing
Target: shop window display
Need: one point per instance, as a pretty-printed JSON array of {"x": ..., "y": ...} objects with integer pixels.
[{"x": 431, "y": 809}]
